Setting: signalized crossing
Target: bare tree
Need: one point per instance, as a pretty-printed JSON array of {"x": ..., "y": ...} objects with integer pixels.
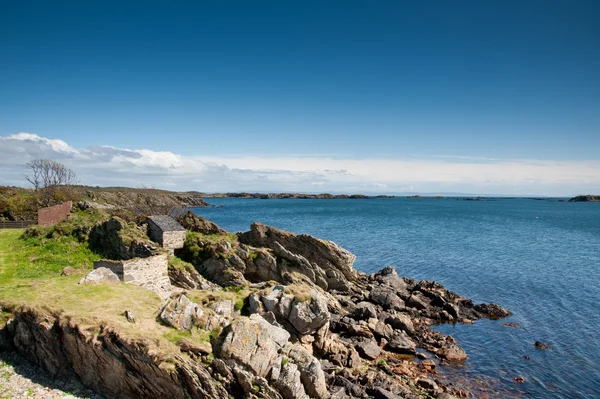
[{"x": 52, "y": 181}]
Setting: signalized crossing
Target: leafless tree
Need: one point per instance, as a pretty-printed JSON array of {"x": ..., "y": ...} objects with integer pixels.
[{"x": 52, "y": 181}]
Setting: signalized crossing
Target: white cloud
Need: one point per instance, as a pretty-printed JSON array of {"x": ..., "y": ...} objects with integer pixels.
[{"x": 107, "y": 165}]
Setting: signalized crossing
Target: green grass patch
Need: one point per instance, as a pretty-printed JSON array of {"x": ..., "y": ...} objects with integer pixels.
[{"x": 41, "y": 257}]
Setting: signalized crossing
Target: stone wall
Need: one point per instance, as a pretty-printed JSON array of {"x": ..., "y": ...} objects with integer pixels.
[
  {"x": 151, "y": 273},
  {"x": 54, "y": 214},
  {"x": 154, "y": 232},
  {"x": 173, "y": 239}
]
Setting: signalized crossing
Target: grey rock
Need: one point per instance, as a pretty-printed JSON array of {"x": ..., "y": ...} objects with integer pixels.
[
  {"x": 223, "y": 308},
  {"x": 129, "y": 316},
  {"x": 380, "y": 329},
  {"x": 402, "y": 321},
  {"x": 329, "y": 266},
  {"x": 305, "y": 313},
  {"x": 368, "y": 349},
  {"x": 427, "y": 383},
  {"x": 289, "y": 384},
  {"x": 416, "y": 301},
  {"x": 252, "y": 342},
  {"x": 401, "y": 343},
  {"x": 100, "y": 275},
  {"x": 311, "y": 372},
  {"x": 389, "y": 277},
  {"x": 380, "y": 393},
  {"x": 180, "y": 313},
  {"x": 365, "y": 311},
  {"x": 386, "y": 297},
  {"x": 445, "y": 395}
]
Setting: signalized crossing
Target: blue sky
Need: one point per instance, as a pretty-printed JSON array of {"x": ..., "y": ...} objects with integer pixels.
[{"x": 493, "y": 82}]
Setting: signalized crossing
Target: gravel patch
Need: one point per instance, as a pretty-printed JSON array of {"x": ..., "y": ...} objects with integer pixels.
[{"x": 21, "y": 379}]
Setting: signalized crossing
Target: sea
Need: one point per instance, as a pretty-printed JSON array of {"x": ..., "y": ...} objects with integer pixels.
[{"x": 538, "y": 258}]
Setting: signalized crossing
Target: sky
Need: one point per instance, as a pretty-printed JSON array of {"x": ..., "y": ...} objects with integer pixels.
[{"x": 493, "y": 97}]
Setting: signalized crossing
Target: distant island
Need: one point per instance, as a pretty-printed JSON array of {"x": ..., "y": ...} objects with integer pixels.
[{"x": 585, "y": 198}]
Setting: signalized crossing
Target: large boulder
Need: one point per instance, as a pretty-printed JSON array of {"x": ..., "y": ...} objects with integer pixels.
[
  {"x": 327, "y": 264},
  {"x": 401, "y": 343},
  {"x": 389, "y": 277},
  {"x": 253, "y": 343},
  {"x": 180, "y": 313},
  {"x": 100, "y": 275},
  {"x": 263, "y": 349},
  {"x": 311, "y": 372},
  {"x": 298, "y": 305},
  {"x": 387, "y": 298},
  {"x": 401, "y": 321}
]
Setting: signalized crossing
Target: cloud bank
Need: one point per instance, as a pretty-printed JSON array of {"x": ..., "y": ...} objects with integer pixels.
[{"x": 110, "y": 166}]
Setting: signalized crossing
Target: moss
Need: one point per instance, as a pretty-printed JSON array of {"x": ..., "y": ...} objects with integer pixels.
[
  {"x": 239, "y": 304},
  {"x": 180, "y": 265},
  {"x": 214, "y": 334},
  {"x": 252, "y": 255}
]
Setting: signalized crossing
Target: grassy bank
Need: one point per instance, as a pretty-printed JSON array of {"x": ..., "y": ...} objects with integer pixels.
[{"x": 30, "y": 276}]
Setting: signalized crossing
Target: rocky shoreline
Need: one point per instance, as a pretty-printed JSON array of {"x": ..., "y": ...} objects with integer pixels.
[{"x": 285, "y": 316}]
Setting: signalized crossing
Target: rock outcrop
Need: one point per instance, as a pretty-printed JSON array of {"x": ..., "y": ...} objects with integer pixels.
[
  {"x": 324, "y": 262},
  {"x": 198, "y": 224},
  {"x": 118, "y": 240}
]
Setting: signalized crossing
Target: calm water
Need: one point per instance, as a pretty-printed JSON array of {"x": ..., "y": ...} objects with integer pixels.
[{"x": 539, "y": 259}]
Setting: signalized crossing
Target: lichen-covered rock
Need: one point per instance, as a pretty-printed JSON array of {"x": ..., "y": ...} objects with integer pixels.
[
  {"x": 253, "y": 343},
  {"x": 100, "y": 275},
  {"x": 311, "y": 373},
  {"x": 180, "y": 313},
  {"x": 289, "y": 384}
]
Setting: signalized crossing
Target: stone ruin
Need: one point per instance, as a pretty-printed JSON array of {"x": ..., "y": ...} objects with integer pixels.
[{"x": 150, "y": 273}]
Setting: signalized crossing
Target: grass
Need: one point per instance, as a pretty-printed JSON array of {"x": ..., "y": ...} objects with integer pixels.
[
  {"x": 234, "y": 294},
  {"x": 300, "y": 292},
  {"x": 30, "y": 279},
  {"x": 180, "y": 265},
  {"x": 42, "y": 257}
]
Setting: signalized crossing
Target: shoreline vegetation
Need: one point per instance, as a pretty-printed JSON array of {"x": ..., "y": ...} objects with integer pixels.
[{"x": 260, "y": 314}]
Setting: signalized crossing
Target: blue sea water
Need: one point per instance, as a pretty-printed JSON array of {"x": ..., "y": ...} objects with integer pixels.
[{"x": 538, "y": 258}]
